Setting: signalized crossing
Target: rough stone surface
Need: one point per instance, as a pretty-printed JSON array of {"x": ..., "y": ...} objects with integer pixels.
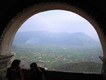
[{"x": 10, "y": 8}]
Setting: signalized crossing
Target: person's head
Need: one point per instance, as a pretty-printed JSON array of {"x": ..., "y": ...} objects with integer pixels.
[
  {"x": 15, "y": 63},
  {"x": 33, "y": 65}
]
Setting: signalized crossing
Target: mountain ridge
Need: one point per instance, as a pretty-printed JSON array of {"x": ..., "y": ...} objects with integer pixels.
[{"x": 63, "y": 38}]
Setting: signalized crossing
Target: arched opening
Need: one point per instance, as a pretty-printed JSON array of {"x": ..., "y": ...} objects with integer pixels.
[
  {"x": 58, "y": 40},
  {"x": 14, "y": 25}
]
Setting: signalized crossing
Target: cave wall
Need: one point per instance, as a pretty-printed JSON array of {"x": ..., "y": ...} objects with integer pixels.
[{"x": 9, "y": 9}]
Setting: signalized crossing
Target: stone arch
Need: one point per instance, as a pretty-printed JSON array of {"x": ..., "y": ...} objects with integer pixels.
[{"x": 15, "y": 24}]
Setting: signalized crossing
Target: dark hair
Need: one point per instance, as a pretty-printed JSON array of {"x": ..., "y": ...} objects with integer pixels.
[
  {"x": 15, "y": 63},
  {"x": 33, "y": 65}
]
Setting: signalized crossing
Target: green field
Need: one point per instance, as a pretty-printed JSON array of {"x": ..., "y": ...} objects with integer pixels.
[{"x": 60, "y": 57}]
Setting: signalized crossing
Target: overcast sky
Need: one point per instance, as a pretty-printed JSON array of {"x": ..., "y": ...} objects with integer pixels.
[{"x": 58, "y": 21}]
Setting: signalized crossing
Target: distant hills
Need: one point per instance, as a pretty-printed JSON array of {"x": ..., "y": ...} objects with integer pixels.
[
  {"x": 63, "y": 38},
  {"x": 75, "y": 52}
]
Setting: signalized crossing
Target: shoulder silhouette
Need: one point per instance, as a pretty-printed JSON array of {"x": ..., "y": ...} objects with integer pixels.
[
  {"x": 36, "y": 73},
  {"x": 14, "y": 71}
]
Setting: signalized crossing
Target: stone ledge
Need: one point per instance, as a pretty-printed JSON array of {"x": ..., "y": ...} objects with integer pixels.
[
  {"x": 5, "y": 56},
  {"x": 5, "y": 60}
]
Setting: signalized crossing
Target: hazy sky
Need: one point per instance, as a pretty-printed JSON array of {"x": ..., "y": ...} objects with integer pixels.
[{"x": 58, "y": 21}]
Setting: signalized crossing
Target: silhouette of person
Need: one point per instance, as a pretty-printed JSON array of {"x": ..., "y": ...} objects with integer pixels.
[
  {"x": 14, "y": 72},
  {"x": 36, "y": 73}
]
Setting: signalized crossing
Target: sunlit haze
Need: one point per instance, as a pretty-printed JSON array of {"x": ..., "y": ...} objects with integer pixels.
[
  {"x": 58, "y": 40},
  {"x": 58, "y": 21}
]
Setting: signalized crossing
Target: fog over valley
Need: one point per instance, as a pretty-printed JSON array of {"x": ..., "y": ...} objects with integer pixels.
[
  {"x": 53, "y": 50},
  {"x": 62, "y": 38},
  {"x": 58, "y": 40}
]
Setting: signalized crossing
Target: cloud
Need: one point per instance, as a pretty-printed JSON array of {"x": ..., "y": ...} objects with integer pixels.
[{"x": 58, "y": 21}]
